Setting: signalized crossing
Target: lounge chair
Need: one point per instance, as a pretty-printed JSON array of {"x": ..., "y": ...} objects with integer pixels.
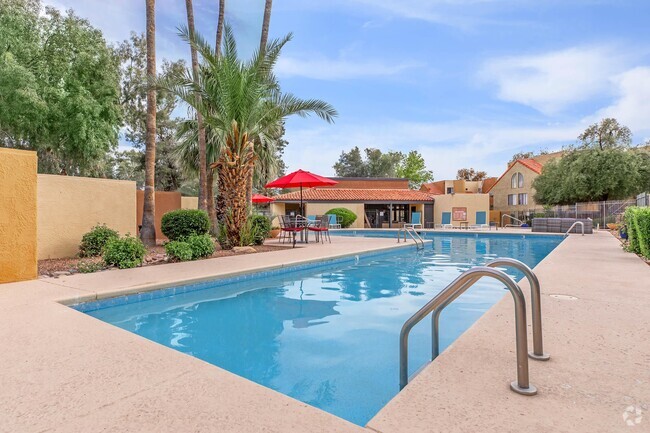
[
  {"x": 415, "y": 221},
  {"x": 446, "y": 221},
  {"x": 481, "y": 221},
  {"x": 334, "y": 221}
]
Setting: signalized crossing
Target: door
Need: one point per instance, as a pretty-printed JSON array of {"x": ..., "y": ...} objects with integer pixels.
[{"x": 428, "y": 215}]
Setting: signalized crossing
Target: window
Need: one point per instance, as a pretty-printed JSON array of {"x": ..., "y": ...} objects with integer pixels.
[
  {"x": 523, "y": 198},
  {"x": 517, "y": 180},
  {"x": 450, "y": 190},
  {"x": 512, "y": 199}
]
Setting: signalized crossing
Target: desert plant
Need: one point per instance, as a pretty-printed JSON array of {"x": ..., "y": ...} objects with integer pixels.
[
  {"x": 178, "y": 251},
  {"x": 93, "y": 242},
  {"x": 346, "y": 215},
  {"x": 182, "y": 223},
  {"x": 262, "y": 226},
  {"x": 86, "y": 267},
  {"x": 127, "y": 252},
  {"x": 200, "y": 245}
]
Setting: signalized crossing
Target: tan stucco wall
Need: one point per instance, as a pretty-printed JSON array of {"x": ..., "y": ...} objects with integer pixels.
[
  {"x": 322, "y": 208},
  {"x": 189, "y": 202},
  {"x": 69, "y": 206},
  {"x": 18, "y": 228},
  {"x": 502, "y": 188},
  {"x": 473, "y": 202},
  {"x": 166, "y": 201}
]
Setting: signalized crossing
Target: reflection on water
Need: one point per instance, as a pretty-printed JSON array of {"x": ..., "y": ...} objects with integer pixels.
[{"x": 329, "y": 337}]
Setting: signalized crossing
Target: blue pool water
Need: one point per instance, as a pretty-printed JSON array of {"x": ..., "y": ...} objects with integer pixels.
[{"x": 327, "y": 335}]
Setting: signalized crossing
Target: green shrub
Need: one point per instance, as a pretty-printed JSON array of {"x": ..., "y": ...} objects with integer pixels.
[
  {"x": 347, "y": 217},
  {"x": 200, "y": 245},
  {"x": 124, "y": 253},
  {"x": 262, "y": 228},
  {"x": 637, "y": 220},
  {"x": 182, "y": 223},
  {"x": 93, "y": 242},
  {"x": 178, "y": 251}
]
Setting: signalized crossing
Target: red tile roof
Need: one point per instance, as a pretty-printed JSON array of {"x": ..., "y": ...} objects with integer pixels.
[
  {"x": 488, "y": 184},
  {"x": 356, "y": 195},
  {"x": 433, "y": 188},
  {"x": 530, "y": 164}
]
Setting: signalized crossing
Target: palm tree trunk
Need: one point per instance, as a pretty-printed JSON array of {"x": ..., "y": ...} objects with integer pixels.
[
  {"x": 222, "y": 10},
  {"x": 203, "y": 163},
  {"x": 148, "y": 230},
  {"x": 265, "y": 25},
  {"x": 212, "y": 211}
]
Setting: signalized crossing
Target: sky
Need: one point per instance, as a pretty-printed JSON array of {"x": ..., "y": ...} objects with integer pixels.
[{"x": 467, "y": 83}]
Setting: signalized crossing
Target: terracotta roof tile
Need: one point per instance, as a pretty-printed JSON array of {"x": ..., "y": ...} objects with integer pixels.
[
  {"x": 433, "y": 188},
  {"x": 356, "y": 195},
  {"x": 488, "y": 184}
]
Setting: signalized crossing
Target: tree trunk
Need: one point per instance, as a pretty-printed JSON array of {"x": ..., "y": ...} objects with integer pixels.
[
  {"x": 212, "y": 211},
  {"x": 203, "y": 163},
  {"x": 148, "y": 230},
  {"x": 265, "y": 25},
  {"x": 222, "y": 10}
]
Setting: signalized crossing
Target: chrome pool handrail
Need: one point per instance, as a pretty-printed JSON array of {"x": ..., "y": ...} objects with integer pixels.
[
  {"x": 573, "y": 225},
  {"x": 536, "y": 308},
  {"x": 512, "y": 218},
  {"x": 413, "y": 234},
  {"x": 460, "y": 284}
]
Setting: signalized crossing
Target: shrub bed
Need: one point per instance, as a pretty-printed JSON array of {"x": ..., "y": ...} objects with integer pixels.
[
  {"x": 124, "y": 253},
  {"x": 182, "y": 223},
  {"x": 200, "y": 245},
  {"x": 346, "y": 215},
  {"x": 93, "y": 242},
  {"x": 261, "y": 227},
  {"x": 178, "y": 251}
]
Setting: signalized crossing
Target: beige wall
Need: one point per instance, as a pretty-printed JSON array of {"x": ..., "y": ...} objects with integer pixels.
[
  {"x": 189, "y": 202},
  {"x": 502, "y": 188},
  {"x": 18, "y": 225},
  {"x": 473, "y": 202},
  {"x": 69, "y": 206},
  {"x": 322, "y": 208}
]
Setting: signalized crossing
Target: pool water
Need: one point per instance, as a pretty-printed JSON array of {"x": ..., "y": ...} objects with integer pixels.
[{"x": 329, "y": 336}]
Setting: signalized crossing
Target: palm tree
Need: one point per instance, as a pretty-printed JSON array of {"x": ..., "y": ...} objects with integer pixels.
[
  {"x": 148, "y": 230},
  {"x": 265, "y": 24},
  {"x": 203, "y": 202},
  {"x": 222, "y": 12},
  {"x": 242, "y": 104}
]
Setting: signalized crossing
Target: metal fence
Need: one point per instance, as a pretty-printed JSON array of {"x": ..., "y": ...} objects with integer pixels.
[{"x": 602, "y": 213}]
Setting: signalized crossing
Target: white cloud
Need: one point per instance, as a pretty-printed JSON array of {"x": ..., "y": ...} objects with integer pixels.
[
  {"x": 632, "y": 107},
  {"x": 553, "y": 81},
  {"x": 323, "y": 68}
]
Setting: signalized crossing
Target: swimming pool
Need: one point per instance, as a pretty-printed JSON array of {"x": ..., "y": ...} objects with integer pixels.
[{"x": 325, "y": 334}]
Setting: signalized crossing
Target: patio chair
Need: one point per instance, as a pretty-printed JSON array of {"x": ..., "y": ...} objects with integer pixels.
[
  {"x": 446, "y": 221},
  {"x": 481, "y": 221},
  {"x": 290, "y": 227},
  {"x": 416, "y": 220},
  {"x": 321, "y": 229},
  {"x": 334, "y": 221}
]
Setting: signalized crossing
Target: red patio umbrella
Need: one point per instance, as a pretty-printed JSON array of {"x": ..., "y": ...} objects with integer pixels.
[
  {"x": 300, "y": 179},
  {"x": 259, "y": 198}
]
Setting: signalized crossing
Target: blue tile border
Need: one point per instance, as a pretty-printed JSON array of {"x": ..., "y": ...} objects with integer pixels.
[{"x": 86, "y": 307}]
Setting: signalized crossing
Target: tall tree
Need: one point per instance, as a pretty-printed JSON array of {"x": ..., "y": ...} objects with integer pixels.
[
  {"x": 470, "y": 174},
  {"x": 222, "y": 13},
  {"x": 351, "y": 164},
  {"x": 148, "y": 229},
  {"x": 415, "y": 170},
  {"x": 216, "y": 206},
  {"x": 203, "y": 202},
  {"x": 606, "y": 134},
  {"x": 375, "y": 164},
  {"x": 242, "y": 103},
  {"x": 266, "y": 21},
  {"x": 59, "y": 88}
]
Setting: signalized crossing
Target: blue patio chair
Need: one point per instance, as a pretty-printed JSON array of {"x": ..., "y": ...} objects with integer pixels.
[
  {"x": 334, "y": 222},
  {"x": 416, "y": 220},
  {"x": 446, "y": 221},
  {"x": 481, "y": 220}
]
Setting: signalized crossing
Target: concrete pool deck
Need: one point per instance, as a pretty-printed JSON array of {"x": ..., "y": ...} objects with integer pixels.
[{"x": 65, "y": 371}]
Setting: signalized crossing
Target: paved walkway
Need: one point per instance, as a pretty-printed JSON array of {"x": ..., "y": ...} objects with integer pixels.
[{"x": 67, "y": 372}]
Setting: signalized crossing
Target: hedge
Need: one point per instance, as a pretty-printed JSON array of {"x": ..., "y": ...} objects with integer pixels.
[
  {"x": 347, "y": 216},
  {"x": 182, "y": 223},
  {"x": 637, "y": 220}
]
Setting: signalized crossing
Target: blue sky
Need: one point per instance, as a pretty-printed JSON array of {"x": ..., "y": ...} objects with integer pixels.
[{"x": 465, "y": 82}]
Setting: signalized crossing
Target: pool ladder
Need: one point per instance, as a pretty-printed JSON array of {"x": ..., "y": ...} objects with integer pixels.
[
  {"x": 413, "y": 234},
  {"x": 582, "y": 225},
  {"x": 457, "y": 287}
]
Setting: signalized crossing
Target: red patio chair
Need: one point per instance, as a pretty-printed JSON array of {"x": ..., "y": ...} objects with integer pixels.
[
  {"x": 291, "y": 226},
  {"x": 321, "y": 228}
]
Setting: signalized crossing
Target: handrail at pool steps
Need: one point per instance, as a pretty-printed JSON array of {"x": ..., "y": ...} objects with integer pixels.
[
  {"x": 413, "y": 234},
  {"x": 458, "y": 287},
  {"x": 582, "y": 225},
  {"x": 511, "y": 218}
]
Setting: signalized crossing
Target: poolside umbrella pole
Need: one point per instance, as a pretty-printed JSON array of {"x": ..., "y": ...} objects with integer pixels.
[{"x": 300, "y": 179}]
